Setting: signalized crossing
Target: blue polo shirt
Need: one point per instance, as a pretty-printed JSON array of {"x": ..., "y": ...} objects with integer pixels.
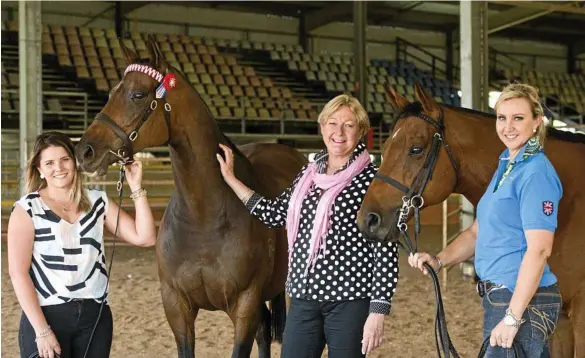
[{"x": 523, "y": 195}]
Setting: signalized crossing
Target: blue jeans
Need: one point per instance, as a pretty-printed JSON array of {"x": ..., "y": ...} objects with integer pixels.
[{"x": 541, "y": 317}]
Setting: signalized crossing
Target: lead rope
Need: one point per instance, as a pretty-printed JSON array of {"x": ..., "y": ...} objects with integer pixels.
[
  {"x": 119, "y": 188},
  {"x": 442, "y": 338},
  {"x": 516, "y": 349}
]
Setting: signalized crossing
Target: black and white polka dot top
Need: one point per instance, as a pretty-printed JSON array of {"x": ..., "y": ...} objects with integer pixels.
[{"x": 350, "y": 268}]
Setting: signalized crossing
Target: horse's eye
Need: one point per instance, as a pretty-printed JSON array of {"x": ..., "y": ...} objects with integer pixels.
[
  {"x": 138, "y": 95},
  {"x": 416, "y": 150}
]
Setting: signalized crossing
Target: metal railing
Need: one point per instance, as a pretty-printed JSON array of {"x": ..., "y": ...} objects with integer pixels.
[{"x": 435, "y": 63}]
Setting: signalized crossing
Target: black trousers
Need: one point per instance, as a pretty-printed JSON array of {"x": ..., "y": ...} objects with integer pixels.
[
  {"x": 72, "y": 324},
  {"x": 312, "y": 324}
]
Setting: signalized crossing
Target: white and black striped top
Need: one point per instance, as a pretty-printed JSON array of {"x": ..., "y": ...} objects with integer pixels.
[{"x": 68, "y": 260}]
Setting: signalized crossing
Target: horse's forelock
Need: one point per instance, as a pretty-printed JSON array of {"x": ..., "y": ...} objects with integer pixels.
[{"x": 412, "y": 108}]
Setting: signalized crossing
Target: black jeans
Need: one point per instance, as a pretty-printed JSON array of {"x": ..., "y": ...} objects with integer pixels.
[
  {"x": 312, "y": 324},
  {"x": 72, "y": 324}
]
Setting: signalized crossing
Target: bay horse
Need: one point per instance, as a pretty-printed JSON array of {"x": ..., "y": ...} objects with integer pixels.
[
  {"x": 212, "y": 254},
  {"x": 465, "y": 163}
]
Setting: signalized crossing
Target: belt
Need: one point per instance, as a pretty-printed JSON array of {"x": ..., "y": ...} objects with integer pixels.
[
  {"x": 484, "y": 286},
  {"x": 82, "y": 300}
]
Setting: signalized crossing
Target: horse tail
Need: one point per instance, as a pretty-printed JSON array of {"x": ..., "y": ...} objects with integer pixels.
[{"x": 277, "y": 317}]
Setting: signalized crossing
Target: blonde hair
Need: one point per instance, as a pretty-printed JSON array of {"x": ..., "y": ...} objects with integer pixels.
[
  {"x": 361, "y": 116},
  {"x": 33, "y": 177},
  {"x": 530, "y": 93}
]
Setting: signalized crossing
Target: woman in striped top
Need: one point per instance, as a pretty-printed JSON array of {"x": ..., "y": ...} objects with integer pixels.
[{"x": 56, "y": 252}]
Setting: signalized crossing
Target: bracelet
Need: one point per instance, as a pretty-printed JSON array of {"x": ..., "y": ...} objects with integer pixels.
[
  {"x": 44, "y": 333},
  {"x": 138, "y": 193},
  {"x": 247, "y": 197},
  {"x": 440, "y": 264}
]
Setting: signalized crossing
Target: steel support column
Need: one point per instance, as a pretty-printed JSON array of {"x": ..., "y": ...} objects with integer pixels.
[
  {"x": 359, "y": 40},
  {"x": 30, "y": 78},
  {"x": 571, "y": 59},
  {"x": 473, "y": 50},
  {"x": 449, "y": 56},
  {"x": 118, "y": 18},
  {"x": 474, "y": 70},
  {"x": 303, "y": 34}
]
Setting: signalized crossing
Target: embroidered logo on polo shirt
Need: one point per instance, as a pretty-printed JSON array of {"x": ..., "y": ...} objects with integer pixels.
[{"x": 547, "y": 208}]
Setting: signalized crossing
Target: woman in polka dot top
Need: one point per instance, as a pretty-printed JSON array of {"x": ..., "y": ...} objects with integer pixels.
[{"x": 340, "y": 285}]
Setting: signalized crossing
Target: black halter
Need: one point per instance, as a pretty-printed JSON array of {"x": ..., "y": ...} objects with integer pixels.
[
  {"x": 414, "y": 200},
  {"x": 126, "y": 152}
]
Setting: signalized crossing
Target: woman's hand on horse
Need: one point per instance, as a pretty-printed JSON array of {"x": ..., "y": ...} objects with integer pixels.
[
  {"x": 47, "y": 346},
  {"x": 226, "y": 163},
  {"x": 134, "y": 175},
  {"x": 418, "y": 259},
  {"x": 373, "y": 332}
]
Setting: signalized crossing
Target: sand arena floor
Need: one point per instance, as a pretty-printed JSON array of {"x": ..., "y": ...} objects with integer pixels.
[{"x": 141, "y": 330}]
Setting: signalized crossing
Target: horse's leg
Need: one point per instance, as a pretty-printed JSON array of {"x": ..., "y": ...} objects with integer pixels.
[
  {"x": 263, "y": 336},
  {"x": 181, "y": 318},
  {"x": 245, "y": 317},
  {"x": 562, "y": 342}
]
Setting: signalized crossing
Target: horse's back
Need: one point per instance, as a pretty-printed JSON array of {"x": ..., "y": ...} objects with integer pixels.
[{"x": 275, "y": 165}]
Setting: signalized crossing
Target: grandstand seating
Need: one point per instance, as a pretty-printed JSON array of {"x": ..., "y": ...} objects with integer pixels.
[
  {"x": 234, "y": 89},
  {"x": 230, "y": 90},
  {"x": 337, "y": 73},
  {"x": 567, "y": 88}
]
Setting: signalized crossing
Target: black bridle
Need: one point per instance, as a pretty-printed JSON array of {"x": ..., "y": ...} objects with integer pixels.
[
  {"x": 126, "y": 152},
  {"x": 414, "y": 200}
]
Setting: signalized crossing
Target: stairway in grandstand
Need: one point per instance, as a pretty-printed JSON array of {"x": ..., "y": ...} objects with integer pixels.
[{"x": 65, "y": 103}]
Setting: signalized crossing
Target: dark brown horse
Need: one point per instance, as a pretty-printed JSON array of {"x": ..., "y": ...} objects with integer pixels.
[
  {"x": 212, "y": 254},
  {"x": 475, "y": 148}
]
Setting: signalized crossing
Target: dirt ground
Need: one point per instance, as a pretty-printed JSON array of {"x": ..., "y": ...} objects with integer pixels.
[{"x": 141, "y": 330}]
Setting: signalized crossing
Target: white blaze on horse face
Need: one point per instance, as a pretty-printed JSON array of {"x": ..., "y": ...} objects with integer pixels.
[
  {"x": 395, "y": 133},
  {"x": 116, "y": 88}
]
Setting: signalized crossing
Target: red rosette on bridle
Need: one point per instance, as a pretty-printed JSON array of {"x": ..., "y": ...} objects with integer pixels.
[{"x": 169, "y": 81}]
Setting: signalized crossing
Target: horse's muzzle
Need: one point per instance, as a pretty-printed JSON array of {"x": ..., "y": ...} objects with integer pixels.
[{"x": 376, "y": 226}]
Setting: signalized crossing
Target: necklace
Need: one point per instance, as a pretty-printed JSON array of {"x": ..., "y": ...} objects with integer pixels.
[{"x": 64, "y": 207}]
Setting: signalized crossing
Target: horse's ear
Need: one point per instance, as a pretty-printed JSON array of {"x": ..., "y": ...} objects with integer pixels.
[
  {"x": 129, "y": 56},
  {"x": 396, "y": 100},
  {"x": 428, "y": 102},
  {"x": 156, "y": 56}
]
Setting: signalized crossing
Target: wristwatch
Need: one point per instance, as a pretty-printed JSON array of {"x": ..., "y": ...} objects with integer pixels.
[{"x": 511, "y": 320}]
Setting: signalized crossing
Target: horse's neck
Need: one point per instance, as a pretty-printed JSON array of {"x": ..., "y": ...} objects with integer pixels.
[
  {"x": 476, "y": 148},
  {"x": 198, "y": 180}
]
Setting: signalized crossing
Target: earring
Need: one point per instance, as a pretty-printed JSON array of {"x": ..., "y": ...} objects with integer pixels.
[
  {"x": 534, "y": 130},
  {"x": 42, "y": 176}
]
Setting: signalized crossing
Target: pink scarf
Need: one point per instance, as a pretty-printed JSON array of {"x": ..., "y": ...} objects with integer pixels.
[{"x": 333, "y": 185}]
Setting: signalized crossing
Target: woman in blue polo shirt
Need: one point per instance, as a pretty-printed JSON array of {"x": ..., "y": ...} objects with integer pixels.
[{"x": 512, "y": 236}]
